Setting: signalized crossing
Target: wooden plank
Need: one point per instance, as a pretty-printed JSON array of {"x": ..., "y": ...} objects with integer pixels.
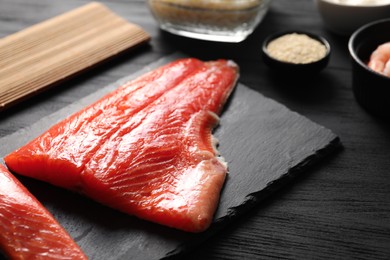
[{"x": 49, "y": 52}]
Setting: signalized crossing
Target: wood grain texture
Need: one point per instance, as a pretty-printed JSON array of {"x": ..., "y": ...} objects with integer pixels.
[
  {"x": 43, "y": 54},
  {"x": 338, "y": 210}
]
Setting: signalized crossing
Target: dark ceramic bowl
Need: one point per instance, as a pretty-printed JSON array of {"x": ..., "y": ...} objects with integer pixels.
[
  {"x": 294, "y": 68},
  {"x": 371, "y": 89}
]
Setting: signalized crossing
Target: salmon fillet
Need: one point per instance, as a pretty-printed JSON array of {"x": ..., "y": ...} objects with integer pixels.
[
  {"x": 27, "y": 229},
  {"x": 145, "y": 149}
]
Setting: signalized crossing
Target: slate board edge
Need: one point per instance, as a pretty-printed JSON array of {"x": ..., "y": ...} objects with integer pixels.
[
  {"x": 251, "y": 200},
  {"x": 254, "y": 199}
]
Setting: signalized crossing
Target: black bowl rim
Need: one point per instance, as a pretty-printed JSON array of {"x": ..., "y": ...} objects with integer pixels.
[
  {"x": 310, "y": 34},
  {"x": 352, "y": 39}
]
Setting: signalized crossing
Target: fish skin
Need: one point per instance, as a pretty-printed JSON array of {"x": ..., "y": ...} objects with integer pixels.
[
  {"x": 27, "y": 229},
  {"x": 146, "y": 149}
]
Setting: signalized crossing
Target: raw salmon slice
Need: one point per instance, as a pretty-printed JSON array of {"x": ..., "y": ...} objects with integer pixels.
[
  {"x": 145, "y": 149},
  {"x": 27, "y": 229}
]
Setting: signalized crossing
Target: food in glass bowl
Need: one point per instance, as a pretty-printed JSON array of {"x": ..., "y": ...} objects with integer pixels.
[{"x": 215, "y": 20}]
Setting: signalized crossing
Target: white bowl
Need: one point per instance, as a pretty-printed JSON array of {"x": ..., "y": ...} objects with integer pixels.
[{"x": 346, "y": 16}]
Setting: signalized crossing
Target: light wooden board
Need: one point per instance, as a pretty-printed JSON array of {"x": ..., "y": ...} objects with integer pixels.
[{"x": 49, "y": 52}]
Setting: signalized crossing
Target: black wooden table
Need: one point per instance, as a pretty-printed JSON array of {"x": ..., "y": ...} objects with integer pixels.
[{"x": 340, "y": 209}]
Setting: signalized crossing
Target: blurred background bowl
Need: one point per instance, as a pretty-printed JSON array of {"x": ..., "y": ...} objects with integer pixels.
[
  {"x": 295, "y": 69},
  {"x": 346, "y": 16},
  {"x": 371, "y": 89},
  {"x": 212, "y": 20}
]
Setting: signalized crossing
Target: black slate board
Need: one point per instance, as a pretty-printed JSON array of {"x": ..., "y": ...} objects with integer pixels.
[{"x": 263, "y": 142}]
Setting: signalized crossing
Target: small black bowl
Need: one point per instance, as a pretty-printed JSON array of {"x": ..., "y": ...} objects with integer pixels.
[
  {"x": 294, "y": 68},
  {"x": 371, "y": 89}
]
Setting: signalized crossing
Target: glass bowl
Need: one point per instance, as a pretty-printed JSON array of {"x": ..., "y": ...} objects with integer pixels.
[{"x": 213, "y": 20}]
